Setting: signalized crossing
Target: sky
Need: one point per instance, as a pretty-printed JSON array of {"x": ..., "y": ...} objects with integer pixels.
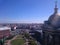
[{"x": 26, "y": 11}]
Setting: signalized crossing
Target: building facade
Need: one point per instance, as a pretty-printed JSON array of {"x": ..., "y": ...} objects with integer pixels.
[
  {"x": 51, "y": 29},
  {"x": 4, "y": 32}
]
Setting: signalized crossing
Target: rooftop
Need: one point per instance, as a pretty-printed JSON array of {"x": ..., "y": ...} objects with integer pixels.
[{"x": 5, "y": 28}]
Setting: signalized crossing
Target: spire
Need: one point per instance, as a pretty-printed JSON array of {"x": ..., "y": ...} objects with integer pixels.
[
  {"x": 56, "y": 4},
  {"x": 56, "y": 8}
]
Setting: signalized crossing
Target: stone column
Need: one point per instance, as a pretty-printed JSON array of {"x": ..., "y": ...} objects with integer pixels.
[
  {"x": 56, "y": 40},
  {"x": 45, "y": 35},
  {"x": 53, "y": 40}
]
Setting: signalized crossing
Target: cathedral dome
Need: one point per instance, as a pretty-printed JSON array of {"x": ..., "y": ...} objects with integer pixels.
[{"x": 54, "y": 19}]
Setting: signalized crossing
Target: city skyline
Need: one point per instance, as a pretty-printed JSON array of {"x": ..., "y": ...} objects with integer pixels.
[{"x": 26, "y": 11}]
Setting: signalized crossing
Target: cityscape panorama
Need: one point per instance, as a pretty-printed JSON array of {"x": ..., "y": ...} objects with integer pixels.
[{"x": 29, "y": 22}]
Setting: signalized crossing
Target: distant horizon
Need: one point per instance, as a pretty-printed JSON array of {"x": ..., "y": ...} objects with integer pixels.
[
  {"x": 26, "y": 11},
  {"x": 21, "y": 23}
]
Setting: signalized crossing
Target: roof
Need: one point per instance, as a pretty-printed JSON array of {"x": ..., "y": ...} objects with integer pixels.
[
  {"x": 54, "y": 19},
  {"x": 5, "y": 28}
]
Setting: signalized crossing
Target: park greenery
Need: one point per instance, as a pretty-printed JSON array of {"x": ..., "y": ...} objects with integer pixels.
[
  {"x": 31, "y": 40},
  {"x": 18, "y": 42}
]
